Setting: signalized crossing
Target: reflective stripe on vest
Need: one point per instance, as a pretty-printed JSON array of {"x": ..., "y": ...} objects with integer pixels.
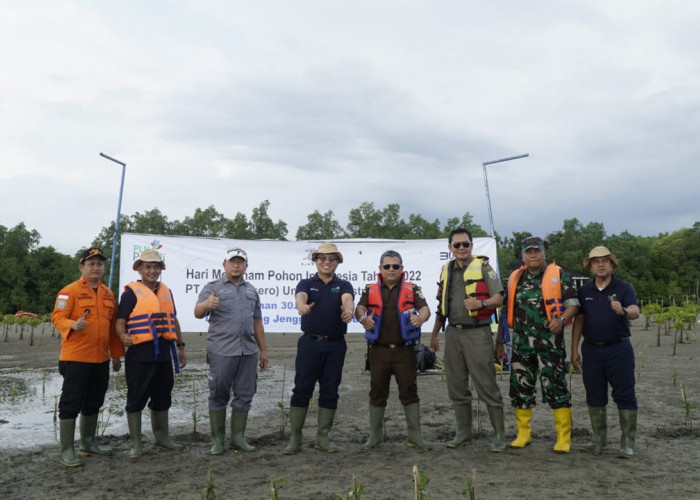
[
  {"x": 551, "y": 292},
  {"x": 405, "y": 307},
  {"x": 153, "y": 316},
  {"x": 474, "y": 286}
]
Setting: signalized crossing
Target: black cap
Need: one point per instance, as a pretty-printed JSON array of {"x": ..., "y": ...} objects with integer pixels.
[{"x": 91, "y": 253}]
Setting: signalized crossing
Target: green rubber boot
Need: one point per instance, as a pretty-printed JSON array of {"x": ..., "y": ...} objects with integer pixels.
[
  {"x": 463, "y": 415},
  {"x": 628, "y": 426},
  {"x": 159, "y": 425},
  {"x": 415, "y": 438},
  {"x": 68, "y": 456},
  {"x": 134, "y": 421},
  {"x": 88, "y": 430},
  {"x": 325, "y": 423},
  {"x": 499, "y": 441},
  {"x": 599, "y": 426},
  {"x": 376, "y": 427},
  {"x": 297, "y": 417},
  {"x": 238, "y": 424},
  {"x": 217, "y": 421}
]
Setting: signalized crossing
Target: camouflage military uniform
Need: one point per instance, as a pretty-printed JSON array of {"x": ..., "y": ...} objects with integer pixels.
[{"x": 533, "y": 342}]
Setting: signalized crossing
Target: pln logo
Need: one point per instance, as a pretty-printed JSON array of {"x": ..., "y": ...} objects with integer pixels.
[{"x": 156, "y": 245}]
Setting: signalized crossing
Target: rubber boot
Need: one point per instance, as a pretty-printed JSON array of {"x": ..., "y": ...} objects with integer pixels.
[
  {"x": 68, "y": 456},
  {"x": 522, "y": 420},
  {"x": 562, "y": 420},
  {"x": 325, "y": 423},
  {"x": 238, "y": 423},
  {"x": 159, "y": 425},
  {"x": 376, "y": 427},
  {"x": 499, "y": 441},
  {"x": 88, "y": 429},
  {"x": 599, "y": 425},
  {"x": 297, "y": 417},
  {"x": 415, "y": 438},
  {"x": 463, "y": 415},
  {"x": 628, "y": 426},
  {"x": 134, "y": 421},
  {"x": 217, "y": 421}
]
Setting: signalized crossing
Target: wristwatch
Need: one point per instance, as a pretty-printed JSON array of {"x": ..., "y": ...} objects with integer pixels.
[
  {"x": 483, "y": 304},
  {"x": 180, "y": 344}
]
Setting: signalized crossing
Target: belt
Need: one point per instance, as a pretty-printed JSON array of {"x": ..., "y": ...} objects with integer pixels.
[
  {"x": 460, "y": 326},
  {"x": 390, "y": 346},
  {"x": 603, "y": 345},
  {"x": 322, "y": 338}
]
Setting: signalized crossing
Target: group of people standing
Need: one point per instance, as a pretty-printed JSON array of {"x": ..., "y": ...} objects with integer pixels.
[{"x": 540, "y": 299}]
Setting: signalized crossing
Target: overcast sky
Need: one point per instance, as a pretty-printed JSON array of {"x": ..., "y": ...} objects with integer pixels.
[{"x": 327, "y": 104}]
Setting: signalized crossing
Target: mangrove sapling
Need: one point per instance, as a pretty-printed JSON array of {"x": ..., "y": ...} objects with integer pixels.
[
  {"x": 194, "y": 408},
  {"x": 274, "y": 482},
  {"x": 208, "y": 492},
  {"x": 674, "y": 377},
  {"x": 356, "y": 493},
  {"x": 420, "y": 482},
  {"x": 284, "y": 413},
  {"x": 44, "y": 376},
  {"x": 688, "y": 406},
  {"x": 470, "y": 486}
]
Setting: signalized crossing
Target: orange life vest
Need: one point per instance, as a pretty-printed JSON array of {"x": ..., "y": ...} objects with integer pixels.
[
  {"x": 551, "y": 292},
  {"x": 406, "y": 307},
  {"x": 153, "y": 316},
  {"x": 474, "y": 286}
]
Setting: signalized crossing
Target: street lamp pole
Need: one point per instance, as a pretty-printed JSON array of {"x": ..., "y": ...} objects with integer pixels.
[
  {"x": 486, "y": 185},
  {"x": 119, "y": 213}
]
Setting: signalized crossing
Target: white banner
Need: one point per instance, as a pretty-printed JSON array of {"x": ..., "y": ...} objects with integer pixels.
[{"x": 275, "y": 268}]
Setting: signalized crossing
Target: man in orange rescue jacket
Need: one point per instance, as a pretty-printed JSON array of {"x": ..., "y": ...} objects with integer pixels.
[
  {"x": 84, "y": 316},
  {"x": 147, "y": 324}
]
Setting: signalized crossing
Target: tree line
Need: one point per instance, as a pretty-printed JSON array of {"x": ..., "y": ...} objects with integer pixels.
[{"x": 664, "y": 269}]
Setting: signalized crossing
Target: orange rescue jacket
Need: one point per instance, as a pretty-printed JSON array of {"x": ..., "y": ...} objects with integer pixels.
[
  {"x": 551, "y": 292},
  {"x": 98, "y": 342},
  {"x": 153, "y": 316},
  {"x": 406, "y": 305}
]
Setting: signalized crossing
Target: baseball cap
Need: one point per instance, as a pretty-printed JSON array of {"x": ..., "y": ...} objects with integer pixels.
[
  {"x": 91, "y": 253},
  {"x": 232, "y": 253},
  {"x": 532, "y": 242}
]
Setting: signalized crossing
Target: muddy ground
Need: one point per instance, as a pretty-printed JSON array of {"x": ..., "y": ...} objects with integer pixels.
[{"x": 666, "y": 465}]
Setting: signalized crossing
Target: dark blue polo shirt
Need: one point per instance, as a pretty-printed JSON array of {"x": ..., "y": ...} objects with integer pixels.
[
  {"x": 324, "y": 319},
  {"x": 601, "y": 323}
]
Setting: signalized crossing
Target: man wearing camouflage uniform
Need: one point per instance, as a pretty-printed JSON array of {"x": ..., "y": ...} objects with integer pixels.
[{"x": 541, "y": 301}]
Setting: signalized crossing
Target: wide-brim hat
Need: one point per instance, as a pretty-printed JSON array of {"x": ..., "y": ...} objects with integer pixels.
[
  {"x": 149, "y": 255},
  {"x": 599, "y": 252},
  {"x": 327, "y": 248}
]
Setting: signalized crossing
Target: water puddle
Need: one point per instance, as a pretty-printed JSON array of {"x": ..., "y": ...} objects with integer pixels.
[{"x": 29, "y": 403}]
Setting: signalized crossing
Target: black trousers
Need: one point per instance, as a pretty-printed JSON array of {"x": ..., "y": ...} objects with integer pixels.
[
  {"x": 84, "y": 388},
  {"x": 146, "y": 381}
]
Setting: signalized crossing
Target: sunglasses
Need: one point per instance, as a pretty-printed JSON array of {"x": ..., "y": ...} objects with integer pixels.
[
  {"x": 391, "y": 266},
  {"x": 329, "y": 258},
  {"x": 459, "y": 244}
]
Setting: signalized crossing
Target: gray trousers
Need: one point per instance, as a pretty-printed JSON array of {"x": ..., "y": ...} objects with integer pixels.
[
  {"x": 237, "y": 374},
  {"x": 470, "y": 352}
]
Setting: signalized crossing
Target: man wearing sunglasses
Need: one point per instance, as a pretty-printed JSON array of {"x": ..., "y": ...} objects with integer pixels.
[
  {"x": 326, "y": 304},
  {"x": 392, "y": 311},
  {"x": 468, "y": 293}
]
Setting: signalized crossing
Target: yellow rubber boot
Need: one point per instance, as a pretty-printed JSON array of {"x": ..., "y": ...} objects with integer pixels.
[
  {"x": 562, "y": 419},
  {"x": 522, "y": 420}
]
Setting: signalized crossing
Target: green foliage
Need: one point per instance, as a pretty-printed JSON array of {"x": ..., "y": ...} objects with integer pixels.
[
  {"x": 320, "y": 227},
  {"x": 274, "y": 483},
  {"x": 356, "y": 493}
]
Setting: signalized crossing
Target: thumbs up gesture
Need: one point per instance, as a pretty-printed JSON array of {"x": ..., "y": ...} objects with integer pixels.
[{"x": 213, "y": 301}]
